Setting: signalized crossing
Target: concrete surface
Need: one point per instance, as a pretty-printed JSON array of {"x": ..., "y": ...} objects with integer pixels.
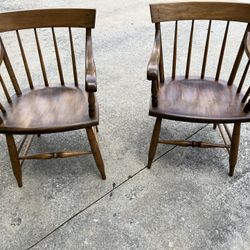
[{"x": 186, "y": 201}]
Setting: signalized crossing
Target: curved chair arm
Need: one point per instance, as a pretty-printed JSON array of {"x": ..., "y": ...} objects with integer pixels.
[
  {"x": 247, "y": 44},
  {"x": 90, "y": 69},
  {"x": 153, "y": 64},
  {"x": 153, "y": 71}
]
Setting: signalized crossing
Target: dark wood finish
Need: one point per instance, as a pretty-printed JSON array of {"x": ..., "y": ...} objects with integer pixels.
[
  {"x": 58, "y": 60},
  {"x": 5, "y": 90},
  {"x": 243, "y": 76},
  {"x": 46, "y": 109},
  {"x": 206, "y": 51},
  {"x": 93, "y": 141},
  {"x": 247, "y": 44},
  {"x": 44, "y": 18},
  {"x": 234, "y": 148},
  {"x": 54, "y": 155},
  {"x": 41, "y": 59},
  {"x": 200, "y": 99},
  {"x": 154, "y": 141},
  {"x": 225, "y": 137},
  {"x": 222, "y": 52},
  {"x": 161, "y": 64},
  {"x": 1, "y": 54},
  {"x": 197, "y": 100},
  {"x": 73, "y": 57},
  {"x": 26, "y": 66},
  {"x": 200, "y": 11},
  {"x": 16, "y": 167},
  {"x": 10, "y": 70},
  {"x": 199, "y": 144},
  {"x": 175, "y": 50},
  {"x": 189, "y": 50},
  {"x": 238, "y": 59}
]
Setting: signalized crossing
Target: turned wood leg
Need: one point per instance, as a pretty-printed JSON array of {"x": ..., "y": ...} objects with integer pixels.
[
  {"x": 92, "y": 136},
  {"x": 154, "y": 141},
  {"x": 16, "y": 167},
  {"x": 234, "y": 148}
]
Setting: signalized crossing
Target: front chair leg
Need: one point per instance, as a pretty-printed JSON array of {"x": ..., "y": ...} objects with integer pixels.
[
  {"x": 92, "y": 136},
  {"x": 16, "y": 167},
  {"x": 154, "y": 141},
  {"x": 234, "y": 148}
]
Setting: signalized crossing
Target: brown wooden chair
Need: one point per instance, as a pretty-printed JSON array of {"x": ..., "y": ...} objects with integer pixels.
[
  {"x": 40, "y": 108},
  {"x": 200, "y": 99}
]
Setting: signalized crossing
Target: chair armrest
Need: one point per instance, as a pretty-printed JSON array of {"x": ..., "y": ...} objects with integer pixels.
[
  {"x": 90, "y": 69},
  {"x": 247, "y": 44},
  {"x": 153, "y": 64}
]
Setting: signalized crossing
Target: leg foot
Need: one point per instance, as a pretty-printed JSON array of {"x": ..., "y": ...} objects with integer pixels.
[
  {"x": 234, "y": 148},
  {"x": 154, "y": 141},
  {"x": 96, "y": 151},
  {"x": 16, "y": 167}
]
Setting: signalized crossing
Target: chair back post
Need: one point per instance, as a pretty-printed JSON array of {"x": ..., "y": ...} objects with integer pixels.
[{"x": 161, "y": 64}]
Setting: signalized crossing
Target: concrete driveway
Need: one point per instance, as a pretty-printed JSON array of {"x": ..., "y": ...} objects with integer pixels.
[{"x": 186, "y": 201}]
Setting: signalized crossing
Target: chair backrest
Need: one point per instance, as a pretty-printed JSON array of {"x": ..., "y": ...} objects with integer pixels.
[
  {"x": 34, "y": 20},
  {"x": 211, "y": 11}
]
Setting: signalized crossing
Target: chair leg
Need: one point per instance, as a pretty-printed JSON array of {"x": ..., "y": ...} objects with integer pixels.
[
  {"x": 16, "y": 167},
  {"x": 92, "y": 136},
  {"x": 154, "y": 141},
  {"x": 234, "y": 148},
  {"x": 214, "y": 126}
]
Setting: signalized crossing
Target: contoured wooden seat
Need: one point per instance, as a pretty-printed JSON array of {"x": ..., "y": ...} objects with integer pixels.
[
  {"x": 200, "y": 99},
  {"x": 42, "y": 107}
]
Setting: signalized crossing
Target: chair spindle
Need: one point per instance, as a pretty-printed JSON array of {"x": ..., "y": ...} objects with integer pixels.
[
  {"x": 59, "y": 65},
  {"x": 247, "y": 107},
  {"x": 26, "y": 66},
  {"x": 246, "y": 95},
  {"x": 2, "y": 109},
  {"x": 5, "y": 90},
  {"x": 41, "y": 59},
  {"x": 206, "y": 50},
  {"x": 243, "y": 77},
  {"x": 238, "y": 58},
  {"x": 10, "y": 70},
  {"x": 222, "y": 52},
  {"x": 175, "y": 50},
  {"x": 73, "y": 56},
  {"x": 189, "y": 50}
]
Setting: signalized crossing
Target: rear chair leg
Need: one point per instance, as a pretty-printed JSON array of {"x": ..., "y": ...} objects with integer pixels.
[
  {"x": 16, "y": 167},
  {"x": 154, "y": 141},
  {"x": 234, "y": 148},
  {"x": 92, "y": 136}
]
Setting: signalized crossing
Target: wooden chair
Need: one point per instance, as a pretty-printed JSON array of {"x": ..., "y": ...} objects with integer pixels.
[
  {"x": 200, "y": 99},
  {"x": 41, "y": 108}
]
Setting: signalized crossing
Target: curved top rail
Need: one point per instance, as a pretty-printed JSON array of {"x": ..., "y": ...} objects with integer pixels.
[
  {"x": 42, "y": 18},
  {"x": 172, "y": 11}
]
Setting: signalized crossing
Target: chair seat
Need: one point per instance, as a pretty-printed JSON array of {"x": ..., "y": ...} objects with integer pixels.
[
  {"x": 199, "y": 100},
  {"x": 47, "y": 110}
]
